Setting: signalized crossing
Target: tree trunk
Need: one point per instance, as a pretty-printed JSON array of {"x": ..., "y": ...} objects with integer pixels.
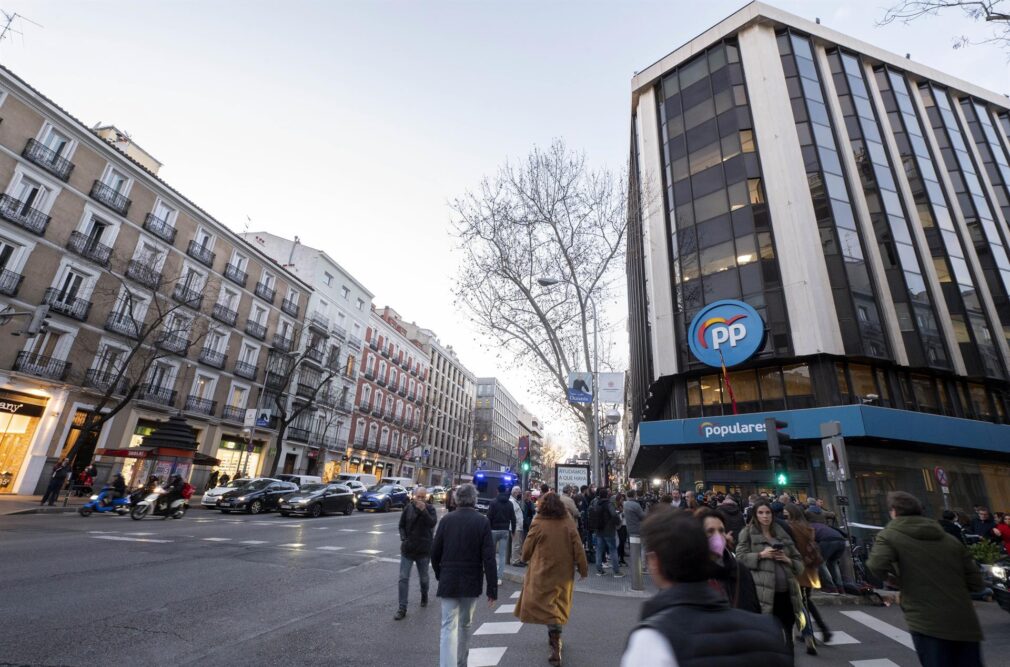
[{"x": 282, "y": 428}]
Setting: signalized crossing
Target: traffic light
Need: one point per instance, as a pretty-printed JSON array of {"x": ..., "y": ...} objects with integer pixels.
[
  {"x": 781, "y": 474},
  {"x": 778, "y": 450},
  {"x": 39, "y": 323},
  {"x": 526, "y": 465}
]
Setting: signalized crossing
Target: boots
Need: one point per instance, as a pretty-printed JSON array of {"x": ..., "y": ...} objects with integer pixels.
[{"x": 555, "y": 640}]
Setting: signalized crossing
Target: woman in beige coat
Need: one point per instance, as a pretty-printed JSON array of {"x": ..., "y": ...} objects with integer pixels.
[{"x": 553, "y": 550}]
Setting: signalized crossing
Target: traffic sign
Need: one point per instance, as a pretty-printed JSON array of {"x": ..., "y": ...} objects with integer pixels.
[{"x": 941, "y": 476}]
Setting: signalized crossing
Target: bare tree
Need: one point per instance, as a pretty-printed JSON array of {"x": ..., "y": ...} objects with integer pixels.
[
  {"x": 996, "y": 13},
  {"x": 547, "y": 216}
]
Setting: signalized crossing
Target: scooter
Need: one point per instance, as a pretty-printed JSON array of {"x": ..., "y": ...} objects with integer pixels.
[
  {"x": 97, "y": 504},
  {"x": 150, "y": 505}
]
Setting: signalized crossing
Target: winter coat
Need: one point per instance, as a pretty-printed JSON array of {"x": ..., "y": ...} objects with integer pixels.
[
  {"x": 734, "y": 518},
  {"x": 462, "y": 551},
  {"x": 501, "y": 513},
  {"x": 553, "y": 550},
  {"x": 417, "y": 529},
  {"x": 529, "y": 511},
  {"x": 737, "y": 583},
  {"x": 610, "y": 520},
  {"x": 572, "y": 508},
  {"x": 985, "y": 528},
  {"x": 633, "y": 515},
  {"x": 805, "y": 539},
  {"x": 824, "y": 533},
  {"x": 517, "y": 509},
  {"x": 954, "y": 530},
  {"x": 936, "y": 575},
  {"x": 751, "y": 543}
]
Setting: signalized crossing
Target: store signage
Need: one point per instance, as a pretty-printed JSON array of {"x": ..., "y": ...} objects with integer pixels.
[
  {"x": 11, "y": 406},
  {"x": 611, "y": 387},
  {"x": 726, "y": 332},
  {"x": 570, "y": 475},
  {"x": 709, "y": 430}
]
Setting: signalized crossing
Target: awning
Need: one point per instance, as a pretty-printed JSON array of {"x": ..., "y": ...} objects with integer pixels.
[{"x": 200, "y": 459}]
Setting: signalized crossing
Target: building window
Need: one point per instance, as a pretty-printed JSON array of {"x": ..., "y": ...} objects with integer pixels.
[
  {"x": 345, "y": 292},
  {"x": 361, "y": 304},
  {"x": 327, "y": 278}
]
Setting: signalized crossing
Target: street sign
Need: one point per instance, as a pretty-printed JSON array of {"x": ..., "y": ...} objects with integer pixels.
[
  {"x": 580, "y": 387},
  {"x": 611, "y": 387},
  {"x": 836, "y": 459},
  {"x": 263, "y": 417},
  {"x": 250, "y": 418},
  {"x": 610, "y": 442},
  {"x": 941, "y": 476}
]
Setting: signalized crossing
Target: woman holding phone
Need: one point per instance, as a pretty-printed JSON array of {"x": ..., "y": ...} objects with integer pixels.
[{"x": 770, "y": 554}]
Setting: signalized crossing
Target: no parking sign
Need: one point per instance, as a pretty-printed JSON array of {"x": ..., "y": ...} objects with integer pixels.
[{"x": 941, "y": 479}]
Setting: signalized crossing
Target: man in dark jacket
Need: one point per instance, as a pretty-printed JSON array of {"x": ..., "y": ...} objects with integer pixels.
[
  {"x": 688, "y": 623},
  {"x": 502, "y": 517},
  {"x": 463, "y": 551},
  {"x": 734, "y": 517},
  {"x": 984, "y": 526},
  {"x": 936, "y": 576},
  {"x": 56, "y": 482},
  {"x": 948, "y": 522},
  {"x": 417, "y": 527},
  {"x": 607, "y": 522}
]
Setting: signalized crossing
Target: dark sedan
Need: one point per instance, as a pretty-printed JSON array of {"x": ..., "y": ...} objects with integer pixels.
[
  {"x": 383, "y": 497},
  {"x": 317, "y": 499},
  {"x": 261, "y": 495}
]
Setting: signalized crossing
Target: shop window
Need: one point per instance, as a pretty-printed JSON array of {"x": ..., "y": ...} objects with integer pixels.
[
  {"x": 925, "y": 394},
  {"x": 843, "y": 383},
  {"x": 799, "y": 390},
  {"x": 745, "y": 391},
  {"x": 862, "y": 381},
  {"x": 980, "y": 402},
  {"x": 17, "y": 429}
]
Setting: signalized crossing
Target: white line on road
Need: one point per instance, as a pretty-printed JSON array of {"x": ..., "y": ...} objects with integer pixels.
[
  {"x": 348, "y": 530},
  {"x": 330, "y": 548},
  {"x": 216, "y": 539},
  {"x": 252, "y": 542},
  {"x": 140, "y": 534},
  {"x": 322, "y": 528},
  {"x": 293, "y": 545},
  {"x": 369, "y": 551},
  {"x": 515, "y": 596},
  {"x": 504, "y": 609},
  {"x": 876, "y": 662},
  {"x": 886, "y": 629},
  {"x": 128, "y": 539},
  {"x": 838, "y": 638},
  {"x": 388, "y": 560},
  {"x": 375, "y": 532},
  {"x": 488, "y": 656},
  {"x": 506, "y": 628}
]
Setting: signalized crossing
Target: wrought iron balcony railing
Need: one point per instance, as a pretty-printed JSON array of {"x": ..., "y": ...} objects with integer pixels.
[
  {"x": 101, "y": 192},
  {"x": 213, "y": 357},
  {"x": 283, "y": 343},
  {"x": 42, "y": 366},
  {"x": 160, "y": 228},
  {"x": 143, "y": 273},
  {"x": 157, "y": 394},
  {"x": 246, "y": 370},
  {"x": 319, "y": 321},
  {"x": 224, "y": 314},
  {"x": 122, "y": 324},
  {"x": 64, "y": 304},
  {"x": 233, "y": 414},
  {"x": 10, "y": 282},
  {"x": 265, "y": 292},
  {"x": 203, "y": 406},
  {"x": 235, "y": 274},
  {"x": 89, "y": 248},
  {"x": 200, "y": 253},
  {"x": 48, "y": 159},
  {"x": 23, "y": 215},
  {"x": 187, "y": 296},
  {"x": 290, "y": 307},
  {"x": 97, "y": 378},
  {"x": 256, "y": 330},
  {"x": 173, "y": 343}
]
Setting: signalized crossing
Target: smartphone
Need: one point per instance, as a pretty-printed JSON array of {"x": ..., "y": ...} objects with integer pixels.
[{"x": 777, "y": 546}]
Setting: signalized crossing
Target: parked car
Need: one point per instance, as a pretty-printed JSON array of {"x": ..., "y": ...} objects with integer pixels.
[
  {"x": 356, "y": 487},
  {"x": 301, "y": 480},
  {"x": 1001, "y": 582},
  {"x": 261, "y": 495},
  {"x": 405, "y": 482},
  {"x": 317, "y": 499},
  {"x": 437, "y": 494},
  {"x": 361, "y": 477},
  {"x": 383, "y": 497},
  {"x": 209, "y": 499}
]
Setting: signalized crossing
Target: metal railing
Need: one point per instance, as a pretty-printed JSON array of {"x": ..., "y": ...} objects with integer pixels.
[
  {"x": 203, "y": 406},
  {"x": 10, "y": 282},
  {"x": 319, "y": 321},
  {"x": 187, "y": 296},
  {"x": 339, "y": 331},
  {"x": 173, "y": 343},
  {"x": 48, "y": 159},
  {"x": 160, "y": 228},
  {"x": 42, "y": 366},
  {"x": 143, "y": 273},
  {"x": 298, "y": 433},
  {"x": 101, "y": 192},
  {"x": 200, "y": 253},
  {"x": 60, "y": 302},
  {"x": 290, "y": 307},
  {"x": 89, "y": 248},
  {"x": 233, "y": 414},
  {"x": 105, "y": 379},
  {"x": 213, "y": 357},
  {"x": 265, "y": 292},
  {"x": 283, "y": 343},
  {"x": 235, "y": 274},
  {"x": 23, "y": 215},
  {"x": 246, "y": 370},
  {"x": 314, "y": 354},
  {"x": 122, "y": 324},
  {"x": 224, "y": 314},
  {"x": 354, "y": 341},
  {"x": 256, "y": 330},
  {"x": 157, "y": 394}
]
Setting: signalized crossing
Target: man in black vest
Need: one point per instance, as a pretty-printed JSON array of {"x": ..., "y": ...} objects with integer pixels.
[
  {"x": 417, "y": 530},
  {"x": 688, "y": 623}
]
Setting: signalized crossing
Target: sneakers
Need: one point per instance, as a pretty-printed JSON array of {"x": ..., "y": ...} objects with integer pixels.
[
  {"x": 400, "y": 613},
  {"x": 500, "y": 582},
  {"x": 599, "y": 573},
  {"x": 618, "y": 575},
  {"x": 424, "y": 598},
  {"x": 811, "y": 645}
]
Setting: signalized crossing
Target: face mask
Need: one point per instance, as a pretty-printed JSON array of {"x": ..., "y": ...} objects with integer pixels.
[{"x": 717, "y": 543}]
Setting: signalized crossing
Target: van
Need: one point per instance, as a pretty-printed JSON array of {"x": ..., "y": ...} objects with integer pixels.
[
  {"x": 366, "y": 479},
  {"x": 487, "y": 482},
  {"x": 405, "y": 482},
  {"x": 300, "y": 480}
]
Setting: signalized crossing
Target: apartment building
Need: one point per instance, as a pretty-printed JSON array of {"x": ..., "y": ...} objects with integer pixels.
[
  {"x": 447, "y": 434},
  {"x": 389, "y": 405},
  {"x": 496, "y": 426},
  {"x": 329, "y": 348},
  {"x": 114, "y": 251}
]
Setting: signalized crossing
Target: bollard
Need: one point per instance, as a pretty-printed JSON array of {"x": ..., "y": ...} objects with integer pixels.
[{"x": 637, "y": 584}]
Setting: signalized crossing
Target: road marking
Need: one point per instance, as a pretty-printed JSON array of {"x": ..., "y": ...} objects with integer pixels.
[
  {"x": 140, "y": 534},
  {"x": 506, "y": 628},
  {"x": 838, "y": 638},
  {"x": 388, "y": 560},
  {"x": 375, "y": 532},
  {"x": 322, "y": 528},
  {"x": 504, "y": 609},
  {"x": 348, "y": 530},
  {"x": 488, "y": 656},
  {"x": 886, "y": 629},
  {"x": 293, "y": 545},
  {"x": 217, "y": 539},
  {"x": 515, "y": 596},
  {"x": 330, "y": 548},
  {"x": 876, "y": 662},
  {"x": 128, "y": 539},
  {"x": 252, "y": 542},
  {"x": 369, "y": 551},
  {"x": 205, "y": 520}
]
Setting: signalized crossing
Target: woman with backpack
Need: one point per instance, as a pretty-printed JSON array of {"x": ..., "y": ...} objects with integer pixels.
[{"x": 806, "y": 544}]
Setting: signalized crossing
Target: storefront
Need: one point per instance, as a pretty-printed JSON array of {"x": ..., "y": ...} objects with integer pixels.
[
  {"x": 236, "y": 458},
  {"x": 19, "y": 419}
]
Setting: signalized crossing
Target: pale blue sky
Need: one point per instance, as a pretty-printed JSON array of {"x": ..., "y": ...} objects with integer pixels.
[{"x": 352, "y": 124}]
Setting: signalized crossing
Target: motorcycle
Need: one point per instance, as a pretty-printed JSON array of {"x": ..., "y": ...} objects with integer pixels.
[
  {"x": 150, "y": 504},
  {"x": 97, "y": 504}
]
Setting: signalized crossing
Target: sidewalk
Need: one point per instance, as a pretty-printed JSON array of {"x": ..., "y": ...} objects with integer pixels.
[{"x": 13, "y": 504}]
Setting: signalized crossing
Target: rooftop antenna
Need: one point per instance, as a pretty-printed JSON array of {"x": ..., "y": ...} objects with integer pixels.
[{"x": 8, "y": 24}]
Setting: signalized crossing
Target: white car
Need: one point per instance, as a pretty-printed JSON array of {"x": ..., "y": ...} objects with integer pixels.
[
  {"x": 356, "y": 487},
  {"x": 209, "y": 498}
]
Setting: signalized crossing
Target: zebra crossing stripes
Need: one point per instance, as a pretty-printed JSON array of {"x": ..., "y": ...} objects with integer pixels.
[
  {"x": 498, "y": 628},
  {"x": 875, "y": 662},
  {"x": 886, "y": 629},
  {"x": 489, "y": 656}
]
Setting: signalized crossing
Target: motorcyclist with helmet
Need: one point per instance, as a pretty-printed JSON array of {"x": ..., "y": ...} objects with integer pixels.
[
  {"x": 116, "y": 490},
  {"x": 173, "y": 491}
]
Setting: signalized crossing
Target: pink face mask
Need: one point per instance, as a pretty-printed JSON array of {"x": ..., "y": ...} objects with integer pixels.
[{"x": 717, "y": 543}]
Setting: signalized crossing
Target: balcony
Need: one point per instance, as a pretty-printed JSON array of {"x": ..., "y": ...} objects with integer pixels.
[
  {"x": 314, "y": 354},
  {"x": 359, "y": 440},
  {"x": 224, "y": 314},
  {"x": 350, "y": 372},
  {"x": 319, "y": 322},
  {"x": 354, "y": 342},
  {"x": 159, "y": 228},
  {"x": 64, "y": 304},
  {"x": 283, "y": 343},
  {"x": 381, "y": 380},
  {"x": 343, "y": 405},
  {"x": 23, "y": 215},
  {"x": 200, "y": 253},
  {"x": 200, "y": 406},
  {"x": 413, "y": 371},
  {"x": 304, "y": 390},
  {"x": 275, "y": 380},
  {"x": 121, "y": 323},
  {"x": 232, "y": 413},
  {"x": 374, "y": 344},
  {"x": 369, "y": 374},
  {"x": 333, "y": 362},
  {"x": 101, "y": 192},
  {"x": 235, "y": 274},
  {"x": 402, "y": 391},
  {"x": 213, "y": 358},
  {"x": 256, "y": 330},
  {"x": 187, "y": 296},
  {"x": 48, "y": 159},
  {"x": 173, "y": 343},
  {"x": 388, "y": 415},
  {"x": 143, "y": 273},
  {"x": 105, "y": 380},
  {"x": 364, "y": 407},
  {"x": 10, "y": 282},
  {"x": 290, "y": 307},
  {"x": 89, "y": 248},
  {"x": 298, "y": 433},
  {"x": 384, "y": 352},
  {"x": 42, "y": 366},
  {"x": 371, "y": 446},
  {"x": 246, "y": 370},
  {"x": 156, "y": 394},
  {"x": 265, "y": 292},
  {"x": 339, "y": 331}
]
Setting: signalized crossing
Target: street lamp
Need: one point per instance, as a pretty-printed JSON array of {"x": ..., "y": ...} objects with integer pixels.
[{"x": 594, "y": 449}]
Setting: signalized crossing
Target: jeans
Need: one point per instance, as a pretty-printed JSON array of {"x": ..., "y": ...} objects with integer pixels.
[
  {"x": 782, "y": 609},
  {"x": 52, "y": 493},
  {"x": 517, "y": 546},
  {"x": 501, "y": 547},
  {"x": 454, "y": 645},
  {"x": 935, "y": 652},
  {"x": 610, "y": 544},
  {"x": 422, "y": 575},
  {"x": 830, "y": 570}
]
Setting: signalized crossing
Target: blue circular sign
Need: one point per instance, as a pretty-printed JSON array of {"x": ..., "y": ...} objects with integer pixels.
[{"x": 726, "y": 332}]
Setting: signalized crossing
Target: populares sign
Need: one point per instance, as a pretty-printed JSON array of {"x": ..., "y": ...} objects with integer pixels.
[{"x": 726, "y": 332}]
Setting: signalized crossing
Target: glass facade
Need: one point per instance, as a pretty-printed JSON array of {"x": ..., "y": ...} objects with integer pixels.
[
  {"x": 721, "y": 242},
  {"x": 917, "y": 318},
  {"x": 851, "y": 286}
]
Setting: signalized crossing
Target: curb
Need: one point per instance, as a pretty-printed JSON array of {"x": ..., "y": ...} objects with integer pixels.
[
  {"x": 72, "y": 509},
  {"x": 641, "y": 595}
]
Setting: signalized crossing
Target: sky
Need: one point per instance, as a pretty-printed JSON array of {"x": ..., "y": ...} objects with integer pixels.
[{"x": 354, "y": 124}]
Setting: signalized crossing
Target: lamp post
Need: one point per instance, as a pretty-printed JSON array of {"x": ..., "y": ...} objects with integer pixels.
[{"x": 594, "y": 446}]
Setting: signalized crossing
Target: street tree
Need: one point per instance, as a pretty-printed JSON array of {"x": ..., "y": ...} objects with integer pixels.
[
  {"x": 549, "y": 215},
  {"x": 994, "y": 13}
]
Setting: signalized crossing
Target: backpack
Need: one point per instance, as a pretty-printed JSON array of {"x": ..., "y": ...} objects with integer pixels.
[
  {"x": 187, "y": 490},
  {"x": 597, "y": 515}
]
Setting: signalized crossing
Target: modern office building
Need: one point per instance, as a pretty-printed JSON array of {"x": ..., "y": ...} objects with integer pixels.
[
  {"x": 152, "y": 303},
  {"x": 447, "y": 423},
  {"x": 495, "y": 426},
  {"x": 851, "y": 205},
  {"x": 326, "y": 349}
]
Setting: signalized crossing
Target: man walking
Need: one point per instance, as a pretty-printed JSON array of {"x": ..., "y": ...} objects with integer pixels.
[
  {"x": 502, "y": 518},
  {"x": 569, "y": 503},
  {"x": 517, "y": 534},
  {"x": 936, "y": 575},
  {"x": 417, "y": 526},
  {"x": 56, "y": 482},
  {"x": 606, "y": 534},
  {"x": 463, "y": 551}
]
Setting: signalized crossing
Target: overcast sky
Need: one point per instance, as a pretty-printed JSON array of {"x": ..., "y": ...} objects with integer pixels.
[{"x": 352, "y": 124}]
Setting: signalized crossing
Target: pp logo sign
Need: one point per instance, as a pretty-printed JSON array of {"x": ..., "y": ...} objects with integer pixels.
[{"x": 729, "y": 332}]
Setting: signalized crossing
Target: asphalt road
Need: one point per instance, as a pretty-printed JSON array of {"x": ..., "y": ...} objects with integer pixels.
[{"x": 239, "y": 590}]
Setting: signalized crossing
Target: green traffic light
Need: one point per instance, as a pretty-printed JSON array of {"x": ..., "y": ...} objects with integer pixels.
[
  {"x": 781, "y": 479},
  {"x": 526, "y": 466}
]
